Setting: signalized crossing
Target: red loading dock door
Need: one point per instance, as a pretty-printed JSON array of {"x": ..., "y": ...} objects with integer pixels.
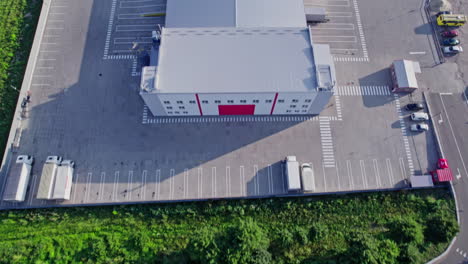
[{"x": 236, "y": 109}]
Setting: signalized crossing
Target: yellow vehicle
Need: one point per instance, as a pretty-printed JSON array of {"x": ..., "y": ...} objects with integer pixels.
[{"x": 451, "y": 20}]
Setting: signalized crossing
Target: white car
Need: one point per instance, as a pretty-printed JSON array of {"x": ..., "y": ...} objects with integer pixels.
[
  {"x": 452, "y": 50},
  {"x": 419, "y": 127},
  {"x": 308, "y": 178},
  {"x": 419, "y": 116}
]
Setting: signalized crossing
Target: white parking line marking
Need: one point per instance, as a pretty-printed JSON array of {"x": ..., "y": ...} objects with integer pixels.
[
  {"x": 34, "y": 186},
  {"x": 283, "y": 178},
  {"x": 324, "y": 178},
  {"x": 363, "y": 173},
  {"x": 101, "y": 185},
  {"x": 200, "y": 188},
  {"x": 417, "y": 52},
  {"x": 171, "y": 183},
  {"x": 256, "y": 180},
  {"x": 377, "y": 172},
  {"x": 185, "y": 183},
  {"x": 270, "y": 179},
  {"x": 213, "y": 181},
  {"x": 390, "y": 171},
  {"x": 350, "y": 174},
  {"x": 114, "y": 189},
  {"x": 338, "y": 176},
  {"x": 242, "y": 180},
  {"x": 129, "y": 185},
  {"x": 143, "y": 196},
  {"x": 88, "y": 183},
  {"x": 158, "y": 184},
  {"x": 402, "y": 168}
]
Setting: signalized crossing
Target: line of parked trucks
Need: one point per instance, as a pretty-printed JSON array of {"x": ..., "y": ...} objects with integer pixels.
[{"x": 55, "y": 182}]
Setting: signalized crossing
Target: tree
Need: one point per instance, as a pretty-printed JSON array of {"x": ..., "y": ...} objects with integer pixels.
[
  {"x": 246, "y": 240},
  {"x": 203, "y": 247},
  {"x": 318, "y": 232},
  {"x": 365, "y": 249},
  {"x": 441, "y": 227},
  {"x": 406, "y": 230}
]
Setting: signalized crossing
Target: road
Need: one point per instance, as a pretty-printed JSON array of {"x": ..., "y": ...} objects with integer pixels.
[{"x": 449, "y": 113}]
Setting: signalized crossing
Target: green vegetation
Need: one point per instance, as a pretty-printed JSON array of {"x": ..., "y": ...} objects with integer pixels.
[
  {"x": 18, "y": 20},
  {"x": 404, "y": 227}
]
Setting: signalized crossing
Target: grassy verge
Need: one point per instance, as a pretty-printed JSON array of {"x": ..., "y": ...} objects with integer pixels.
[
  {"x": 366, "y": 228},
  {"x": 18, "y": 19}
]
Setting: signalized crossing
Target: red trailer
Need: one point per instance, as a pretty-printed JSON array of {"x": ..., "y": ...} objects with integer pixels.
[{"x": 442, "y": 175}]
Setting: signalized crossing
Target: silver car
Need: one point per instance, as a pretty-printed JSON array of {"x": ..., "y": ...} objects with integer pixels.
[{"x": 419, "y": 127}]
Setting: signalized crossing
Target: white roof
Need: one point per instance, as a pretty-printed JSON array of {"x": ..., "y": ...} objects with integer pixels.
[
  {"x": 200, "y": 13},
  {"x": 235, "y": 13},
  {"x": 421, "y": 181},
  {"x": 405, "y": 73},
  {"x": 212, "y": 60}
]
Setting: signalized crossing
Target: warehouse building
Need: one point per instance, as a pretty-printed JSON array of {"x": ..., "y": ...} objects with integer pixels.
[{"x": 237, "y": 57}]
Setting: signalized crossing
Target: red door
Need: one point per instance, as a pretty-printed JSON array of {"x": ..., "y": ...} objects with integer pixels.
[{"x": 236, "y": 109}]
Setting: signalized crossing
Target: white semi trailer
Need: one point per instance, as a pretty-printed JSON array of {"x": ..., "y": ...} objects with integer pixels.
[
  {"x": 63, "y": 180},
  {"x": 18, "y": 179},
  {"x": 49, "y": 172}
]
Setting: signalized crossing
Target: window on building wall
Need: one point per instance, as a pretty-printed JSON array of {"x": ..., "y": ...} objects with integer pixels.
[
  {"x": 256, "y": 101},
  {"x": 295, "y": 100},
  {"x": 281, "y": 101},
  {"x": 217, "y": 101},
  {"x": 243, "y": 101},
  {"x": 292, "y": 106},
  {"x": 176, "y": 112},
  {"x": 268, "y": 101},
  {"x": 304, "y": 111},
  {"x": 308, "y": 100},
  {"x": 185, "y": 112},
  {"x": 305, "y": 106},
  {"x": 204, "y": 102},
  {"x": 288, "y": 111},
  {"x": 192, "y": 102},
  {"x": 230, "y": 101},
  {"x": 169, "y": 113},
  {"x": 180, "y": 102},
  {"x": 167, "y": 102},
  {"x": 297, "y": 111},
  {"x": 181, "y": 107},
  {"x": 169, "y": 107}
]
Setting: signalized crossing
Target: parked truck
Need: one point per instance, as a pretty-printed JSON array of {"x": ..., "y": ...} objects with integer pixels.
[
  {"x": 63, "y": 180},
  {"x": 316, "y": 14},
  {"x": 18, "y": 179},
  {"x": 308, "y": 178},
  {"x": 293, "y": 177},
  {"x": 49, "y": 172}
]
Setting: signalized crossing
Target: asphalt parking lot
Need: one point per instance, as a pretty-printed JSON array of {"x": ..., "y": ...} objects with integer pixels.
[
  {"x": 128, "y": 26},
  {"x": 343, "y": 32},
  {"x": 90, "y": 112}
]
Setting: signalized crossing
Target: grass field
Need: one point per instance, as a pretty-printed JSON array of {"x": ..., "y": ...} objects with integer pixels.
[
  {"x": 403, "y": 227},
  {"x": 18, "y": 19}
]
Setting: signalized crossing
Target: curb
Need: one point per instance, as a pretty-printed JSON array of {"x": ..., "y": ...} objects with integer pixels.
[{"x": 27, "y": 79}]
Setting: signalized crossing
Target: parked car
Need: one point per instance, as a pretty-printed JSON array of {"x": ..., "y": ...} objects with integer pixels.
[
  {"x": 419, "y": 127},
  {"x": 452, "y": 49},
  {"x": 449, "y": 34},
  {"x": 451, "y": 42},
  {"x": 414, "y": 107},
  {"x": 420, "y": 116}
]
